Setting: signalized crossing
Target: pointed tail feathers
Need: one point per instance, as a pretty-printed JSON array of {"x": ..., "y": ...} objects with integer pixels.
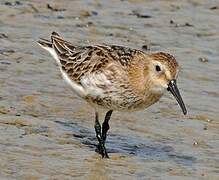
[
  {"x": 47, "y": 45},
  {"x": 57, "y": 46},
  {"x": 44, "y": 43}
]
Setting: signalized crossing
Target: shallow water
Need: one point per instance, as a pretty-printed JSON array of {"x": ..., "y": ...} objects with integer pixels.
[{"x": 46, "y": 131}]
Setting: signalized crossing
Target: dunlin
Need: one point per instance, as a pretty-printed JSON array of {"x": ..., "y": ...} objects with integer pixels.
[{"x": 111, "y": 77}]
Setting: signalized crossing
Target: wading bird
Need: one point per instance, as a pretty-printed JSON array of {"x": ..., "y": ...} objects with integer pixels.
[{"x": 111, "y": 77}]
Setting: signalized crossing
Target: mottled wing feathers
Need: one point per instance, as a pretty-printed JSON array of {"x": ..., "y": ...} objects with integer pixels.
[
  {"x": 81, "y": 62},
  {"x": 120, "y": 54},
  {"x": 77, "y": 61},
  {"x": 123, "y": 54}
]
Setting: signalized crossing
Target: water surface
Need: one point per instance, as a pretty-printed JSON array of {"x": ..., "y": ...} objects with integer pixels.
[{"x": 46, "y": 131}]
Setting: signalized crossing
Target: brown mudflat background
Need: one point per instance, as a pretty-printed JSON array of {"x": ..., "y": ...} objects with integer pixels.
[{"x": 46, "y": 131}]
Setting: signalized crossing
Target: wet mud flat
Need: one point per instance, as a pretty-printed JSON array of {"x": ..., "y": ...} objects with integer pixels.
[{"x": 46, "y": 131}]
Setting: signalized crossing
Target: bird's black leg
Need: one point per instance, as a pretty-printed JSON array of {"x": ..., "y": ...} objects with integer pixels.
[
  {"x": 100, "y": 147},
  {"x": 105, "y": 126}
]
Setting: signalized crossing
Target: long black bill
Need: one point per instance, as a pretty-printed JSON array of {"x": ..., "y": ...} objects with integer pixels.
[{"x": 172, "y": 87}]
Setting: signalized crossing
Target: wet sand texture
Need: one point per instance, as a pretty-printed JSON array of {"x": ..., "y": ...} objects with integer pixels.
[{"x": 46, "y": 131}]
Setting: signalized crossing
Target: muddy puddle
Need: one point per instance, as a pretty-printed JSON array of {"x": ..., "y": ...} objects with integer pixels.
[{"x": 46, "y": 131}]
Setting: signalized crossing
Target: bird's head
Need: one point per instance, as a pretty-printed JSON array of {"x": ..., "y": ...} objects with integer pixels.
[{"x": 162, "y": 72}]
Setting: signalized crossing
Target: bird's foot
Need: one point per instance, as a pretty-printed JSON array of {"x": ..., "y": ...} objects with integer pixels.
[{"x": 102, "y": 150}]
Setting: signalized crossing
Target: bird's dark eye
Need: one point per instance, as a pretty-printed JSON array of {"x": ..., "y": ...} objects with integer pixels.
[{"x": 158, "y": 68}]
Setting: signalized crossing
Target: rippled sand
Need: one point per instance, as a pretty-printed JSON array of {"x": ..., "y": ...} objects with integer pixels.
[{"x": 46, "y": 131}]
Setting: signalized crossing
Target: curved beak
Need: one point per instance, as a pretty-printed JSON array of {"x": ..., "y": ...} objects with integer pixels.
[{"x": 172, "y": 87}]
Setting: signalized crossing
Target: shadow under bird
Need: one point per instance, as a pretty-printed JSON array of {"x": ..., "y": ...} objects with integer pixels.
[{"x": 111, "y": 77}]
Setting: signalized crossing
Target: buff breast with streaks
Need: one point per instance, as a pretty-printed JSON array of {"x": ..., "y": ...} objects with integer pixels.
[{"x": 114, "y": 77}]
